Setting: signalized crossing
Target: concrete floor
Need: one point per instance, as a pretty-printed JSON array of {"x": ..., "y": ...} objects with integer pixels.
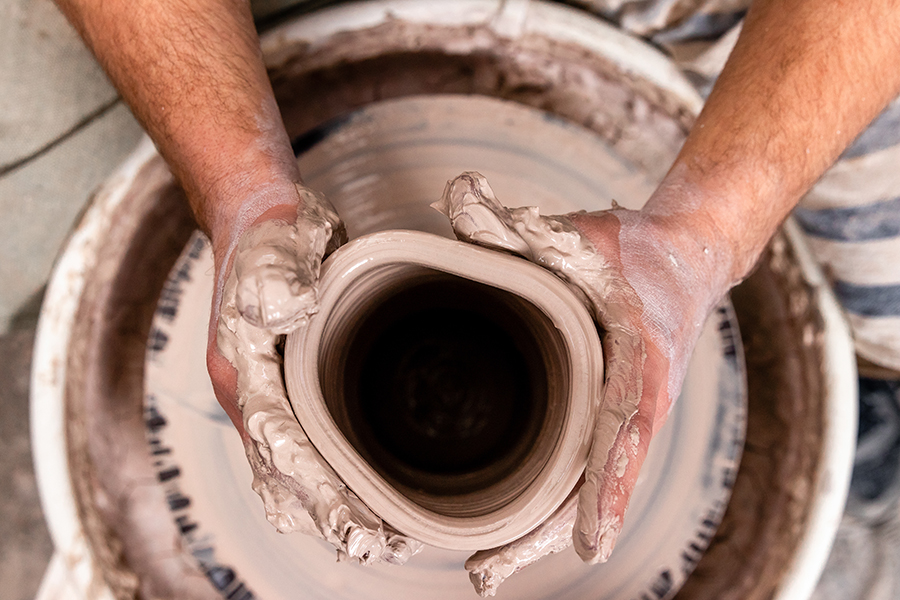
[
  {"x": 63, "y": 130},
  {"x": 25, "y": 545}
]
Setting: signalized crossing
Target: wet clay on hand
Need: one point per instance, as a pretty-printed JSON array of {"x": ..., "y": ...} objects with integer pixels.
[
  {"x": 646, "y": 348},
  {"x": 271, "y": 291}
]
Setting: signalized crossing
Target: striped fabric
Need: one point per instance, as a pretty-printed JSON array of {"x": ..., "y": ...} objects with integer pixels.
[
  {"x": 851, "y": 218},
  {"x": 675, "y": 21},
  {"x": 852, "y": 221}
]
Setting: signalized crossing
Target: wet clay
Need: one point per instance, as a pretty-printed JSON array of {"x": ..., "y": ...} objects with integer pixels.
[
  {"x": 455, "y": 469},
  {"x": 489, "y": 568}
]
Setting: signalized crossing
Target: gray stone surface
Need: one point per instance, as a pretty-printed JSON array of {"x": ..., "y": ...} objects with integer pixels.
[
  {"x": 25, "y": 546},
  {"x": 61, "y": 134},
  {"x": 40, "y": 201},
  {"x": 49, "y": 80}
]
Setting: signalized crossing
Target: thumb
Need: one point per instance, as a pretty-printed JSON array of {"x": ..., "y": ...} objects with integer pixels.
[
  {"x": 277, "y": 265},
  {"x": 273, "y": 293},
  {"x": 636, "y": 376},
  {"x": 478, "y": 217}
]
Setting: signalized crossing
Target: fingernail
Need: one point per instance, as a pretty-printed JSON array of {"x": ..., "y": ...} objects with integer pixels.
[{"x": 609, "y": 534}]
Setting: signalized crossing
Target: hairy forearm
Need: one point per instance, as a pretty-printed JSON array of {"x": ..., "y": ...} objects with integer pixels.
[
  {"x": 192, "y": 73},
  {"x": 804, "y": 80}
]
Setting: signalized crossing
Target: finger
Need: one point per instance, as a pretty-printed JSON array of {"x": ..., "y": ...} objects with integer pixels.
[
  {"x": 477, "y": 216},
  {"x": 489, "y": 568},
  {"x": 636, "y": 374},
  {"x": 284, "y": 458},
  {"x": 299, "y": 489},
  {"x": 399, "y": 548},
  {"x": 293, "y": 480},
  {"x": 277, "y": 264},
  {"x": 275, "y": 297},
  {"x": 351, "y": 529},
  {"x": 550, "y": 241}
]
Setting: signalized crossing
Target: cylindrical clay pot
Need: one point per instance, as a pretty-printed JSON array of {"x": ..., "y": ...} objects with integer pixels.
[
  {"x": 120, "y": 510},
  {"x": 453, "y": 388}
]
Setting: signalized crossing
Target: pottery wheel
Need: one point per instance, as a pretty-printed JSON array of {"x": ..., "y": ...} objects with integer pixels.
[{"x": 382, "y": 167}]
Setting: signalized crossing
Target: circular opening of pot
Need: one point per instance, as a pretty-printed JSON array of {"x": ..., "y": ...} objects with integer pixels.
[{"x": 452, "y": 390}]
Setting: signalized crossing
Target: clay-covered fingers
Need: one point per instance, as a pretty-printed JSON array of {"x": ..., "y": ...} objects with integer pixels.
[
  {"x": 624, "y": 426},
  {"x": 279, "y": 264},
  {"x": 300, "y": 491},
  {"x": 489, "y": 568},
  {"x": 271, "y": 290},
  {"x": 636, "y": 373},
  {"x": 592, "y": 516},
  {"x": 478, "y": 217}
]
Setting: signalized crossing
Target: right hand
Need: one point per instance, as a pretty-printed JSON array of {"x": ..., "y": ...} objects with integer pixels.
[{"x": 650, "y": 286}]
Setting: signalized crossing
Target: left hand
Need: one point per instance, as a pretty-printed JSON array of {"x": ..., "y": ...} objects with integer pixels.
[{"x": 267, "y": 287}]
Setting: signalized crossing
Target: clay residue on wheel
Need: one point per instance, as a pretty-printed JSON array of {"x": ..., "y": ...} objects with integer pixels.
[
  {"x": 397, "y": 58},
  {"x": 122, "y": 507},
  {"x": 782, "y": 333}
]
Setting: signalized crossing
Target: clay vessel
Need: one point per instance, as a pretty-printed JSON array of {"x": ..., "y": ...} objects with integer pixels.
[{"x": 466, "y": 385}]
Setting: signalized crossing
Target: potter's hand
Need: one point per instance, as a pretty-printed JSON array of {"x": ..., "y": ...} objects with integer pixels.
[
  {"x": 270, "y": 290},
  {"x": 651, "y": 295},
  {"x": 211, "y": 112}
]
